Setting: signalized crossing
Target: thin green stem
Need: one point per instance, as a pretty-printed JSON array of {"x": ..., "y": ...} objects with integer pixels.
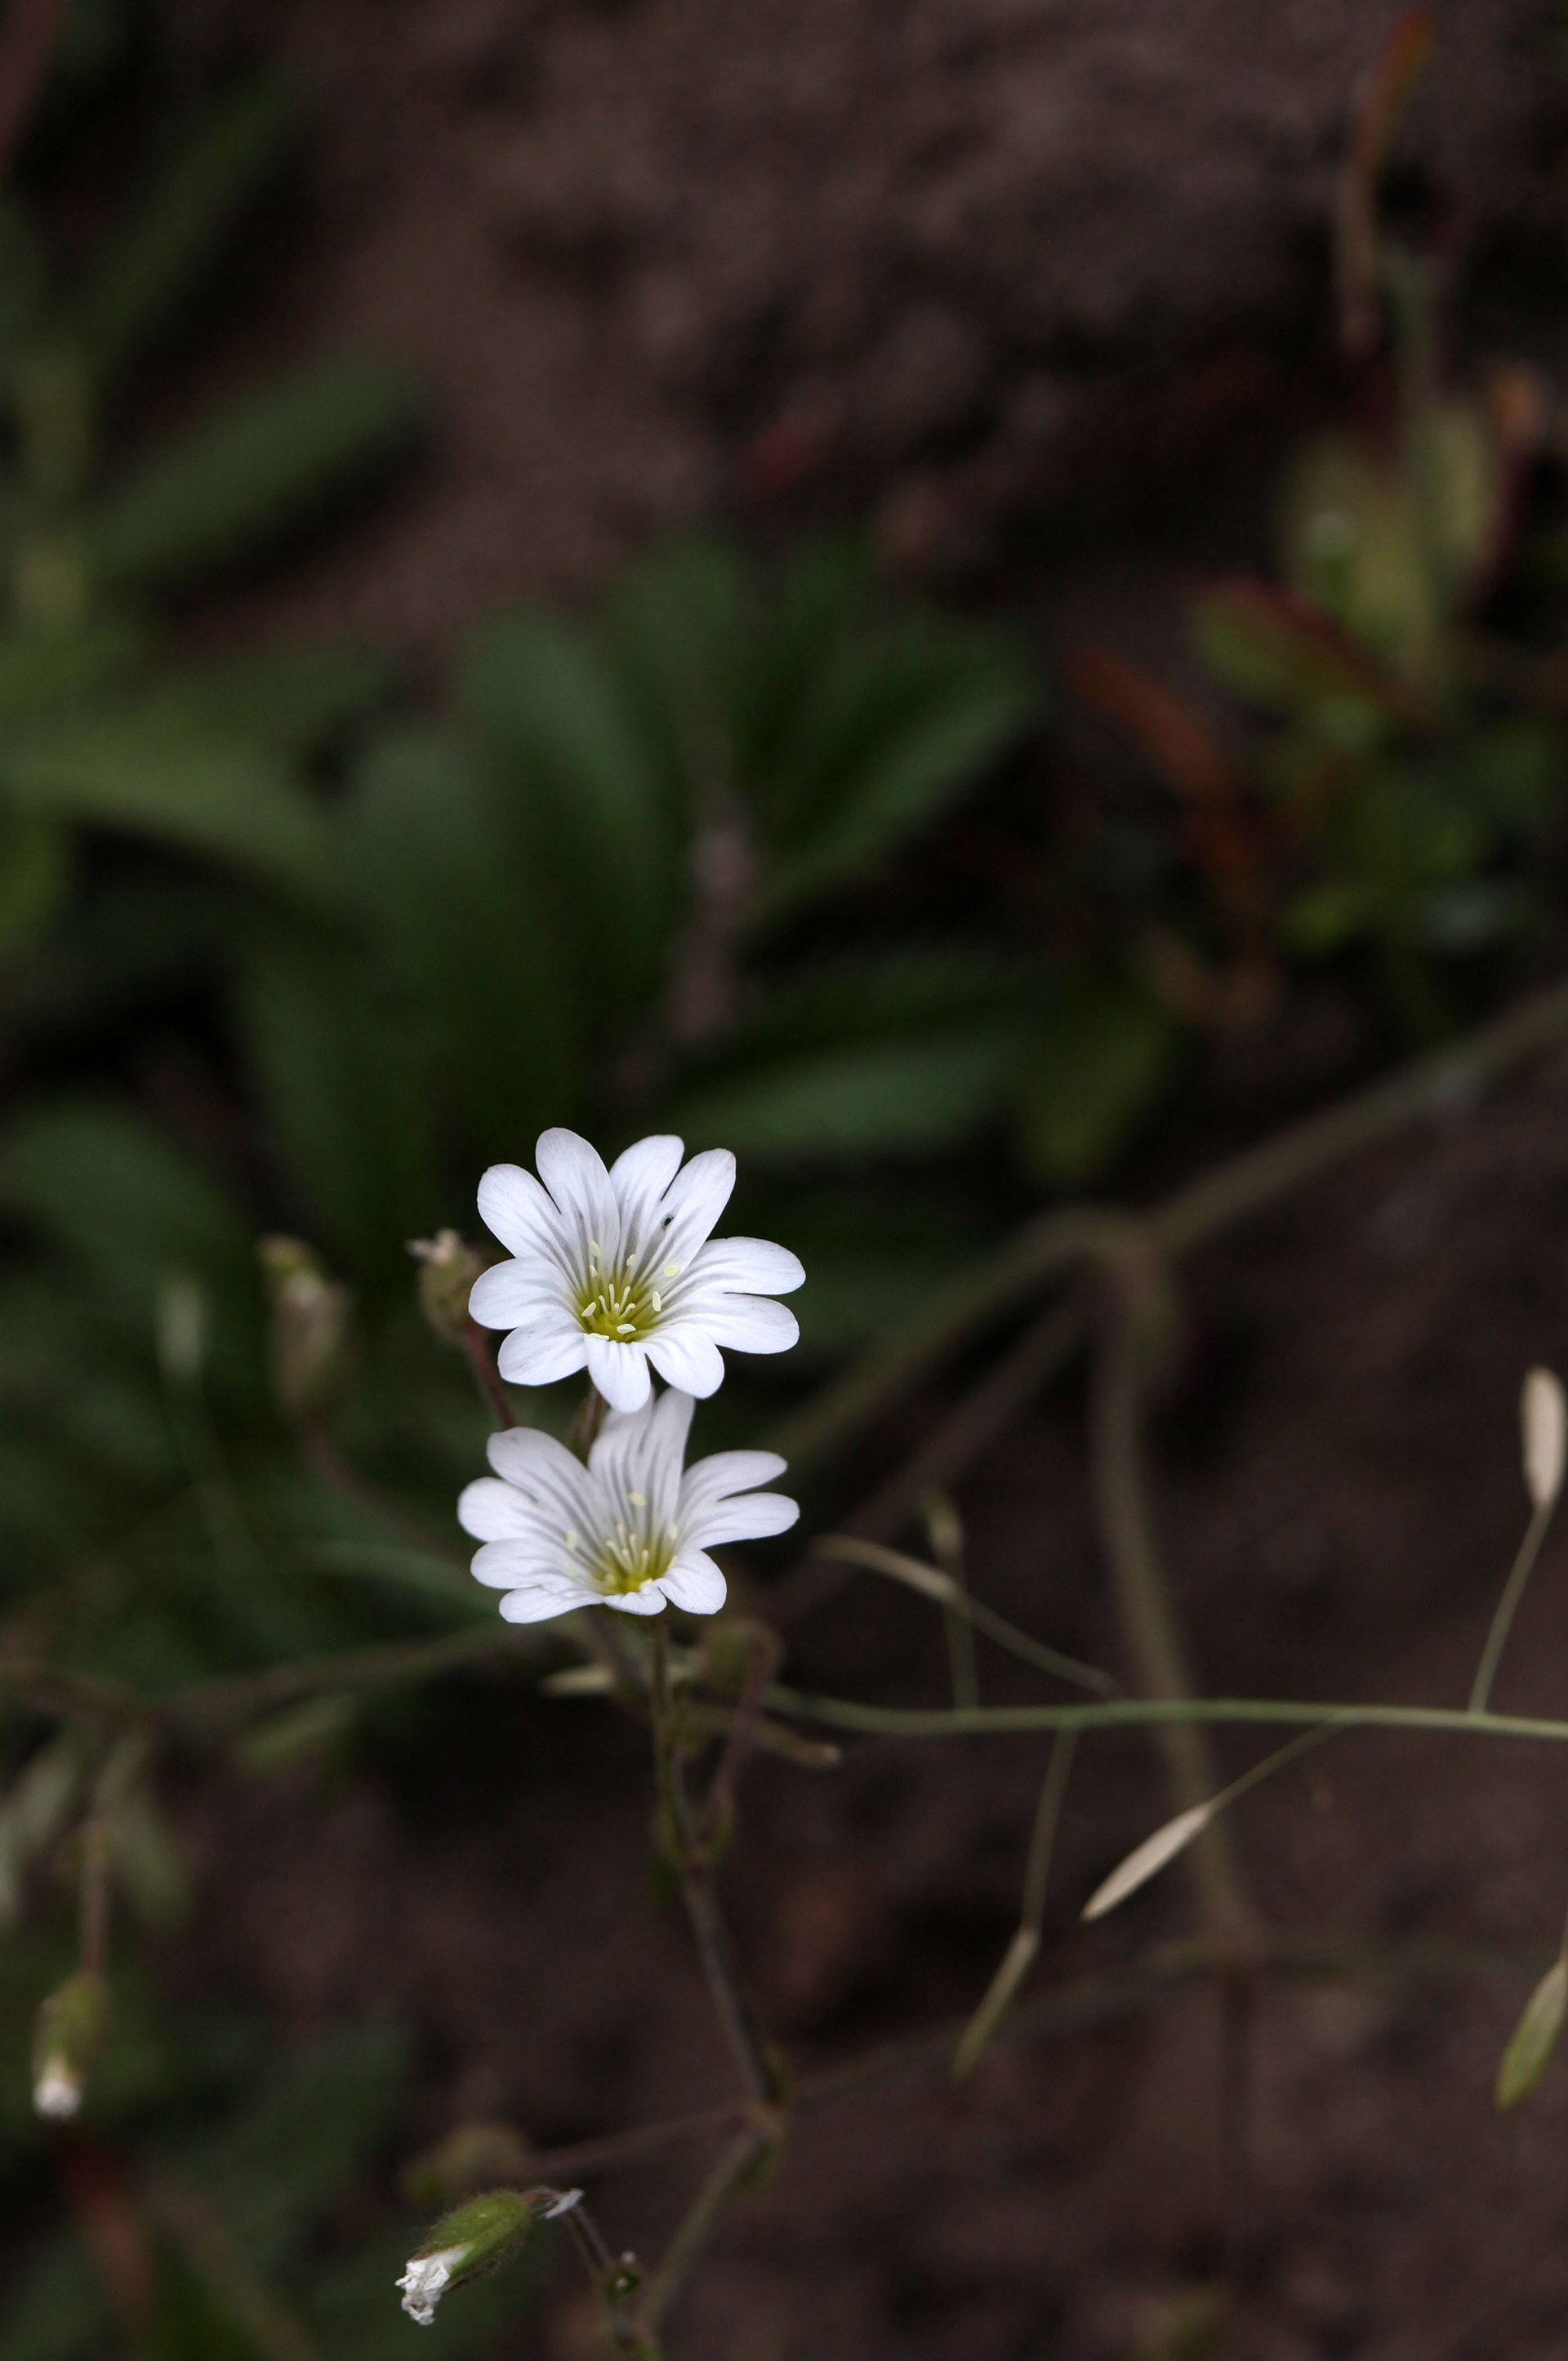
[
  {"x": 1509, "y": 1605},
  {"x": 1151, "y": 1713},
  {"x": 1143, "y": 1591},
  {"x": 729, "y": 2177},
  {"x": 1019, "y": 1956},
  {"x": 753, "y": 2062},
  {"x": 849, "y": 1550}
]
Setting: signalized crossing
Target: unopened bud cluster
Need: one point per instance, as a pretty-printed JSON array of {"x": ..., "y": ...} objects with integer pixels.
[
  {"x": 447, "y": 1269},
  {"x": 308, "y": 1341}
]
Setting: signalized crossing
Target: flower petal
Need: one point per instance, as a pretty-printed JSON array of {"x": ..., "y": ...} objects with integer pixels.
[
  {"x": 618, "y": 1371},
  {"x": 695, "y": 1583},
  {"x": 543, "y": 1472},
  {"x": 514, "y": 1206},
  {"x": 642, "y": 1454},
  {"x": 749, "y": 1267},
  {"x": 721, "y": 1474},
  {"x": 687, "y": 1358},
  {"x": 504, "y": 1565},
  {"x": 493, "y": 1512},
  {"x": 537, "y": 1601},
  {"x": 517, "y": 1294},
  {"x": 538, "y": 1357},
  {"x": 746, "y": 1324},
  {"x": 640, "y": 1178},
  {"x": 693, "y": 1203},
  {"x": 574, "y": 1175},
  {"x": 649, "y": 1600},
  {"x": 748, "y": 1517}
]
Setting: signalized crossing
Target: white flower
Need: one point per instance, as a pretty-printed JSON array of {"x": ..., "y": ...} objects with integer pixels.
[
  {"x": 629, "y": 1531},
  {"x": 611, "y": 1270},
  {"x": 426, "y": 2280},
  {"x": 57, "y": 2093}
]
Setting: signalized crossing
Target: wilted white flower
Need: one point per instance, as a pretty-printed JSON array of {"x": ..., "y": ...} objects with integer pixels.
[
  {"x": 630, "y": 1530},
  {"x": 611, "y": 1270},
  {"x": 57, "y": 2092},
  {"x": 426, "y": 2281}
]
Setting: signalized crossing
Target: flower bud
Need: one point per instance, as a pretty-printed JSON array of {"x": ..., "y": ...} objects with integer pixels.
[
  {"x": 69, "y": 2033},
  {"x": 448, "y": 1267},
  {"x": 474, "y": 2240},
  {"x": 309, "y": 1343}
]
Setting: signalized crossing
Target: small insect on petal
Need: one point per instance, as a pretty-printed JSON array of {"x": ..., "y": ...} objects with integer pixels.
[
  {"x": 1534, "y": 2037},
  {"x": 1147, "y": 1861},
  {"x": 1543, "y": 1417}
]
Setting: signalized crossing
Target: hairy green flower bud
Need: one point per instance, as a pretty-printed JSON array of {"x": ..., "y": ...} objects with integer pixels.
[
  {"x": 448, "y": 1267},
  {"x": 309, "y": 1342},
  {"x": 69, "y": 2034},
  {"x": 474, "y": 2239}
]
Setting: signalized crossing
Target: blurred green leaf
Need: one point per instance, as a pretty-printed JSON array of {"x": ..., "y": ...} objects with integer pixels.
[
  {"x": 469, "y": 937},
  {"x": 262, "y": 468},
  {"x": 146, "y": 773},
  {"x": 35, "y": 868},
  {"x": 886, "y": 1056},
  {"x": 334, "y": 1078},
  {"x": 45, "y": 674},
  {"x": 891, "y": 733},
  {"x": 1103, "y": 1051},
  {"x": 114, "y": 1189},
  {"x": 151, "y": 265},
  {"x": 586, "y": 792},
  {"x": 289, "y": 700}
]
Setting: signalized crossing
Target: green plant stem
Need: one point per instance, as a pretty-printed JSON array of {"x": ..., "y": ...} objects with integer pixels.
[
  {"x": 846, "y": 1549},
  {"x": 1019, "y": 1956},
  {"x": 758, "y": 2076},
  {"x": 487, "y": 1376},
  {"x": 1509, "y": 1605},
  {"x": 729, "y": 2177},
  {"x": 1194, "y": 1214},
  {"x": 1151, "y": 1713},
  {"x": 615, "y": 2282},
  {"x": 1143, "y": 1593}
]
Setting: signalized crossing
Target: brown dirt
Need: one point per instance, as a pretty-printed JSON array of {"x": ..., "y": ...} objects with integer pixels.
[
  {"x": 1340, "y": 1497},
  {"x": 935, "y": 260}
]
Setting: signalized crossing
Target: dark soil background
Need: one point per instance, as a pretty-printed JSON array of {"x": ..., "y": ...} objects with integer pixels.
[{"x": 1042, "y": 286}]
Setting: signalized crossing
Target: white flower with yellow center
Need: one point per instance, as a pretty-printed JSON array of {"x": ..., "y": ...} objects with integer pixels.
[
  {"x": 631, "y": 1529},
  {"x": 611, "y": 1270}
]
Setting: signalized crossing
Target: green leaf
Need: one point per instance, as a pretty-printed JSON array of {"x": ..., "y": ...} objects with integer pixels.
[
  {"x": 261, "y": 469},
  {"x": 1534, "y": 2037},
  {"x": 1103, "y": 1053},
  {"x": 890, "y": 1056},
  {"x": 333, "y": 1075},
  {"x": 34, "y": 868},
  {"x": 467, "y": 935},
  {"x": 585, "y": 791},
  {"x": 1286, "y": 656},
  {"x": 148, "y": 774},
  {"x": 892, "y": 734},
  {"x": 289, "y": 700},
  {"x": 46, "y": 673},
  {"x": 120, "y": 1195},
  {"x": 172, "y": 239}
]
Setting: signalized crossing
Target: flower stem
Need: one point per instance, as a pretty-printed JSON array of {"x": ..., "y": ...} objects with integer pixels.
[
  {"x": 727, "y": 2177},
  {"x": 1142, "y": 1590},
  {"x": 1507, "y": 1605},
  {"x": 487, "y": 1376},
  {"x": 754, "y": 2061}
]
